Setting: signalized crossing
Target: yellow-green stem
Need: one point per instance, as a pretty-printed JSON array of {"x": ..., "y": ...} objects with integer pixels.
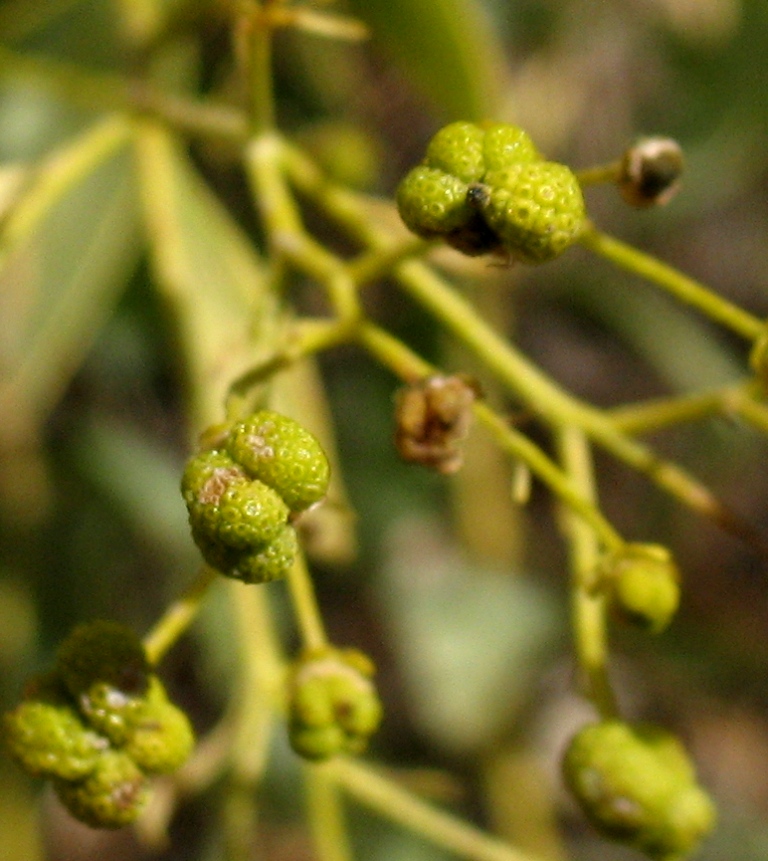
[
  {"x": 680, "y": 286},
  {"x": 305, "y": 607},
  {"x": 178, "y": 616},
  {"x": 588, "y": 606}
]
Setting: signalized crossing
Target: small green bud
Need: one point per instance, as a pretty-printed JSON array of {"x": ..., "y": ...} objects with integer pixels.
[
  {"x": 333, "y": 705},
  {"x": 112, "y": 796},
  {"x": 535, "y": 208},
  {"x": 643, "y": 585},
  {"x": 162, "y": 736},
  {"x": 285, "y": 456},
  {"x": 48, "y": 738},
  {"x": 103, "y": 666},
  {"x": 637, "y": 785}
]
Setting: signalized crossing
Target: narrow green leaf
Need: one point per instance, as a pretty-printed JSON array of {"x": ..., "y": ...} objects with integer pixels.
[
  {"x": 206, "y": 268},
  {"x": 66, "y": 249},
  {"x": 448, "y": 49}
]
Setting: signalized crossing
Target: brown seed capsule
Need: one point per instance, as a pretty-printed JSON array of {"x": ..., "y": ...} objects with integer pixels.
[
  {"x": 650, "y": 172},
  {"x": 432, "y": 417}
]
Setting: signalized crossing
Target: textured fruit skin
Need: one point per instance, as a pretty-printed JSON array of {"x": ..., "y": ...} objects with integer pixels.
[
  {"x": 536, "y": 208},
  {"x": 333, "y": 704},
  {"x": 111, "y": 796},
  {"x": 486, "y": 189},
  {"x": 50, "y": 739},
  {"x": 278, "y": 451},
  {"x": 103, "y": 666},
  {"x": 162, "y": 737},
  {"x": 643, "y": 585},
  {"x": 637, "y": 785},
  {"x": 98, "y": 724},
  {"x": 458, "y": 149}
]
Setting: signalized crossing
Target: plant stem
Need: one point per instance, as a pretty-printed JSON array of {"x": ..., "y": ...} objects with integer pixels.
[
  {"x": 588, "y": 610},
  {"x": 178, "y": 616},
  {"x": 326, "y": 815},
  {"x": 674, "y": 282},
  {"x": 399, "y": 805},
  {"x": 305, "y": 606}
]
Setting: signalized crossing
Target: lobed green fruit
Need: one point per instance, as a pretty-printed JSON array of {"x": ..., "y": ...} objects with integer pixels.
[
  {"x": 162, "y": 737},
  {"x": 637, "y": 785},
  {"x": 643, "y": 585},
  {"x": 283, "y": 455},
  {"x": 111, "y": 796},
  {"x": 49, "y": 739},
  {"x": 458, "y": 150},
  {"x": 333, "y": 705},
  {"x": 536, "y": 209},
  {"x": 103, "y": 666}
]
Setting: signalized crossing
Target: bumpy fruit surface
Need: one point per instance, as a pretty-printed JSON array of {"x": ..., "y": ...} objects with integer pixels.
[
  {"x": 162, "y": 736},
  {"x": 272, "y": 562},
  {"x": 637, "y": 785},
  {"x": 333, "y": 705},
  {"x": 283, "y": 455},
  {"x": 103, "y": 666},
  {"x": 49, "y": 739},
  {"x": 486, "y": 189},
  {"x": 643, "y": 585},
  {"x": 537, "y": 209},
  {"x": 112, "y": 796}
]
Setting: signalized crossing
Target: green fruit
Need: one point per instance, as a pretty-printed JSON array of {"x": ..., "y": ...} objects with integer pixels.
[
  {"x": 112, "y": 796},
  {"x": 162, "y": 736},
  {"x": 103, "y": 666},
  {"x": 207, "y": 477},
  {"x": 432, "y": 203},
  {"x": 505, "y": 145},
  {"x": 643, "y": 585},
  {"x": 637, "y": 785},
  {"x": 272, "y": 562},
  {"x": 457, "y": 149},
  {"x": 285, "y": 456},
  {"x": 333, "y": 705},
  {"x": 49, "y": 738},
  {"x": 536, "y": 209}
]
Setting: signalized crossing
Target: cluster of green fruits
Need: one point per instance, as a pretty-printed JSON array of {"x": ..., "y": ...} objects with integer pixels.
[
  {"x": 486, "y": 189},
  {"x": 99, "y": 725},
  {"x": 243, "y": 494},
  {"x": 637, "y": 785},
  {"x": 333, "y": 706}
]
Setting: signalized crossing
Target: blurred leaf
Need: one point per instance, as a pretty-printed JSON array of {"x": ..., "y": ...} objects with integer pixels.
[
  {"x": 208, "y": 271},
  {"x": 66, "y": 249},
  {"x": 469, "y": 642},
  {"x": 449, "y": 49}
]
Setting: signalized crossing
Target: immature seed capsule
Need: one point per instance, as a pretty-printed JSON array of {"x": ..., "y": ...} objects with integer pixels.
[
  {"x": 162, "y": 736},
  {"x": 333, "y": 705},
  {"x": 282, "y": 454},
  {"x": 433, "y": 203},
  {"x": 103, "y": 666},
  {"x": 111, "y": 796},
  {"x": 637, "y": 785},
  {"x": 535, "y": 208},
  {"x": 458, "y": 149}
]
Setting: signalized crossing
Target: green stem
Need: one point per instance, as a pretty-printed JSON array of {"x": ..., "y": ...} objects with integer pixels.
[
  {"x": 326, "y": 815},
  {"x": 308, "y": 616},
  {"x": 680, "y": 286},
  {"x": 399, "y": 805},
  {"x": 588, "y": 610},
  {"x": 178, "y": 616}
]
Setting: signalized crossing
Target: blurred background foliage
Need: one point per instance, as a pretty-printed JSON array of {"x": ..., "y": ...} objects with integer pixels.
[{"x": 459, "y": 596}]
